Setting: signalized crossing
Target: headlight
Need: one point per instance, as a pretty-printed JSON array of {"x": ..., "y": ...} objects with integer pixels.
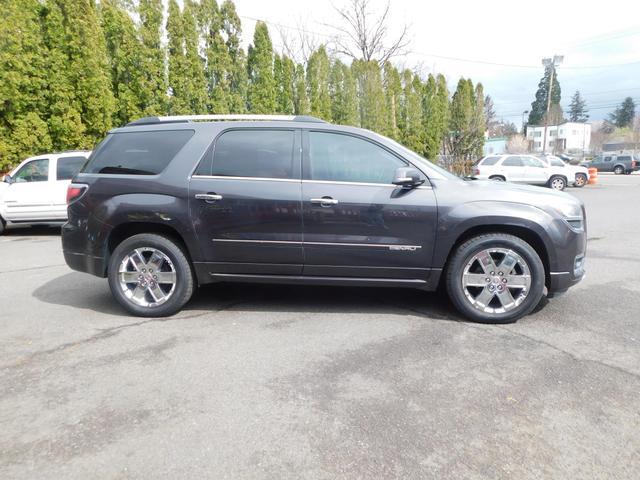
[{"x": 571, "y": 212}]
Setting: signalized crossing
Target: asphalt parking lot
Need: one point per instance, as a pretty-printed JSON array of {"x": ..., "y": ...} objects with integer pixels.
[{"x": 308, "y": 382}]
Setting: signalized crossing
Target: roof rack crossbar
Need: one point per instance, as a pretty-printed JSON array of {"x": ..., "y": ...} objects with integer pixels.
[{"x": 224, "y": 118}]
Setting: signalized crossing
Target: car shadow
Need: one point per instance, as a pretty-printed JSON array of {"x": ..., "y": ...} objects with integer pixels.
[
  {"x": 78, "y": 290},
  {"x": 24, "y": 231}
]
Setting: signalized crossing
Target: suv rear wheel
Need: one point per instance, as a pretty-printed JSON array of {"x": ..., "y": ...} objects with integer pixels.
[
  {"x": 495, "y": 278},
  {"x": 581, "y": 180},
  {"x": 150, "y": 275}
]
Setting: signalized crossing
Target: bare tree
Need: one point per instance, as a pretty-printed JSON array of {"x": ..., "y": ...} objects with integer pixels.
[
  {"x": 363, "y": 34},
  {"x": 517, "y": 144},
  {"x": 298, "y": 43}
]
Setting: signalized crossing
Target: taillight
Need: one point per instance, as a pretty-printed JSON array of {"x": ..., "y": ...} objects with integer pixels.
[
  {"x": 75, "y": 191},
  {"x": 476, "y": 171},
  {"x": 633, "y": 164}
]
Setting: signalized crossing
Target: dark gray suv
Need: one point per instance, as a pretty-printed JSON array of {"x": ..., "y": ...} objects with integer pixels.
[{"x": 166, "y": 204}]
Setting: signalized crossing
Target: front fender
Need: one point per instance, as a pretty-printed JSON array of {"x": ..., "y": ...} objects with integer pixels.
[{"x": 457, "y": 221}]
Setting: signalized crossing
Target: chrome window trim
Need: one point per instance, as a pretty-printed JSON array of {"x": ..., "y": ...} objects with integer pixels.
[
  {"x": 336, "y": 244},
  {"x": 323, "y": 182},
  {"x": 224, "y": 177}
]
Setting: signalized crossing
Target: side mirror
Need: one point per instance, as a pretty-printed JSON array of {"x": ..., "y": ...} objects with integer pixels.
[
  {"x": 407, "y": 177},
  {"x": 7, "y": 179}
]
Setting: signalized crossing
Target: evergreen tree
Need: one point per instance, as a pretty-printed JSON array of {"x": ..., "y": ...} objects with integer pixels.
[
  {"x": 623, "y": 115},
  {"x": 479, "y": 121},
  {"x": 370, "y": 93},
  {"x": 539, "y": 105},
  {"x": 195, "y": 81},
  {"x": 177, "y": 63},
  {"x": 342, "y": 88},
  {"x": 152, "y": 75},
  {"x": 23, "y": 69},
  {"x": 217, "y": 59},
  {"x": 81, "y": 101},
  {"x": 301, "y": 99},
  {"x": 578, "y": 108},
  {"x": 318, "y": 81},
  {"x": 435, "y": 115},
  {"x": 412, "y": 134},
  {"x": 237, "y": 75},
  {"x": 284, "y": 70},
  {"x": 393, "y": 91},
  {"x": 123, "y": 51},
  {"x": 262, "y": 88},
  {"x": 460, "y": 140}
]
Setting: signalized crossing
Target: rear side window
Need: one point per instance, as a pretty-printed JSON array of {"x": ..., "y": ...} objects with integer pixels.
[
  {"x": 253, "y": 153},
  {"x": 513, "y": 162},
  {"x": 624, "y": 159},
  {"x": 67, "y": 167},
  {"x": 138, "y": 153},
  {"x": 487, "y": 162}
]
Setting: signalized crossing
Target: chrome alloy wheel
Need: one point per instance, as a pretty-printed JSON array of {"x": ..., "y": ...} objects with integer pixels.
[
  {"x": 147, "y": 277},
  {"x": 496, "y": 280}
]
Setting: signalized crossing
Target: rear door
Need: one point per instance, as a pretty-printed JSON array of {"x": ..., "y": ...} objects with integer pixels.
[
  {"x": 65, "y": 168},
  {"x": 356, "y": 222},
  {"x": 245, "y": 202},
  {"x": 28, "y": 197}
]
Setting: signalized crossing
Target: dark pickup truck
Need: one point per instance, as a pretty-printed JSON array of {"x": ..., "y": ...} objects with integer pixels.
[{"x": 618, "y": 164}]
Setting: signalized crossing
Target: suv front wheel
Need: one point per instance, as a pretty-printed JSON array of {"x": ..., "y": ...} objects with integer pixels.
[
  {"x": 150, "y": 275},
  {"x": 495, "y": 278}
]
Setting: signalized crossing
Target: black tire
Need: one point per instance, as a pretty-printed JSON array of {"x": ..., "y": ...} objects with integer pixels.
[
  {"x": 581, "y": 180},
  {"x": 618, "y": 169},
  {"x": 498, "y": 178},
  {"x": 184, "y": 284},
  {"x": 463, "y": 255},
  {"x": 2, "y": 225},
  {"x": 557, "y": 183}
]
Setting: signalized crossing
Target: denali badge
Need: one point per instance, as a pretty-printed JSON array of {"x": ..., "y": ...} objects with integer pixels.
[{"x": 408, "y": 248}]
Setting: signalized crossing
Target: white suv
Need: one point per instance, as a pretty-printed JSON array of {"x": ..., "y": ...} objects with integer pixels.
[
  {"x": 522, "y": 169},
  {"x": 36, "y": 190}
]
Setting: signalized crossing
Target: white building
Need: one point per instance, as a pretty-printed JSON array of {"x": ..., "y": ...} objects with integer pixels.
[{"x": 570, "y": 137}]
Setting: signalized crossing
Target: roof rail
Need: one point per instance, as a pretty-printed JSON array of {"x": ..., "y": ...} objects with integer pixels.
[{"x": 223, "y": 118}]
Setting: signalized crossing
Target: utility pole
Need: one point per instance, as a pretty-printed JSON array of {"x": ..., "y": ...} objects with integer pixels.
[{"x": 549, "y": 62}]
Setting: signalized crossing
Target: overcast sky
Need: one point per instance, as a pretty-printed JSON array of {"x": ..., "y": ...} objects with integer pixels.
[{"x": 476, "y": 34}]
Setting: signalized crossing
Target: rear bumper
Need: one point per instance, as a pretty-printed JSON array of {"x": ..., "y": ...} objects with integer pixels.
[{"x": 73, "y": 243}]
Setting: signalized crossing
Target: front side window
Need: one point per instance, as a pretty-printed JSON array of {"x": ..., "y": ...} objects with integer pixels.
[
  {"x": 512, "y": 161},
  {"x": 556, "y": 162},
  {"x": 67, "y": 167},
  {"x": 343, "y": 158},
  {"x": 34, "y": 171},
  {"x": 607, "y": 159},
  {"x": 253, "y": 153},
  {"x": 137, "y": 153}
]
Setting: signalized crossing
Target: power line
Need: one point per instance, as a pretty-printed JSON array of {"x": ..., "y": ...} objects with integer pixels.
[{"x": 446, "y": 57}]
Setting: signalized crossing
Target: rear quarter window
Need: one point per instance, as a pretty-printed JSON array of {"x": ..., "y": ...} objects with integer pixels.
[
  {"x": 487, "y": 162},
  {"x": 137, "y": 153}
]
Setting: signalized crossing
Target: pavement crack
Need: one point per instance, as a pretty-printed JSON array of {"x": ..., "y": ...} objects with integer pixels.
[
  {"x": 34, "y": 268},
  {"x": 573, "y": 356}
]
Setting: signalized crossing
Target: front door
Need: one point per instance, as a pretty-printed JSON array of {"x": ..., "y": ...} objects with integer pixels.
[
  {"x": 28, "y": 197},
  {"x": 535, "y": 171},
  {"x": 245, "y": 203},
  {"x": 356, "y": 222}
]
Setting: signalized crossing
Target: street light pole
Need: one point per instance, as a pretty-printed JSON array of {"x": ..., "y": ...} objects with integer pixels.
[{"x": 549, "y": 62}]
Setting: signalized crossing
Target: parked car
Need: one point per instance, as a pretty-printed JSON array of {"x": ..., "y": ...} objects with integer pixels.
[
  {"x": 521, "y": 169},
  {"x": 576, "y": 175},
  {"x": 35, "y": 191},
  {"x": 618, "y": 164},
  {"x": 167, "y": 204}
]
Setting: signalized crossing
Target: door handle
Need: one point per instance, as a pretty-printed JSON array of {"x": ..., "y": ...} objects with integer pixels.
[
  {"x": 208, "y": 197},
  {"x": 324, "y": 201}
]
